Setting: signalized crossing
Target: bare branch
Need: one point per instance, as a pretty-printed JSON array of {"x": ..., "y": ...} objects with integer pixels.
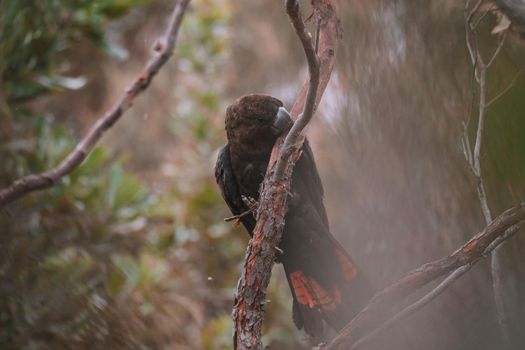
[
  {"x": 255, "y": 276},
  {"x": 502, "y": 38},
  {"x": 294, "y": 139},
  {"x": 414, "y": 307},
  {"x": 474, "y": 158},
  {"x": 477, "y": 22},
  {"x": 163, "y": 50},
  {"x": 477, "y": 148},
  {"x": 382, "y": 304},
  {"x": 507, "y": 88},
  {"x": 470, "y": 37},
  {"x": 434, "y": 293}
]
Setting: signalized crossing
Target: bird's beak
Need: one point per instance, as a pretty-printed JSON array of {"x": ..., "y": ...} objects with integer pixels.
[{"x": 283, "y": 122}]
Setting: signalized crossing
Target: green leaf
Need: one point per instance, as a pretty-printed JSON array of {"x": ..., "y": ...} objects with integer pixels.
[
  {"x": 115, "y": 179},
  {"x": 93, "y": 162}
]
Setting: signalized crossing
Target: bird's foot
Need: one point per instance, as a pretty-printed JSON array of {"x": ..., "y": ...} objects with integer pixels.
[
  {"x": 279, "y": 253},
  {"x": 252, "y": 205}
]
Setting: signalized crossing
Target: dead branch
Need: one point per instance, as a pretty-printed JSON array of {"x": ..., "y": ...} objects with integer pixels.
[
  {"x": 480, "y": 68},
  {"x": 382, "y": 305},
  {"x": 507, "y": 88},
  {"x": 255, "y": 276},
  {"x": 163, "y": 50},
  {"x": 434, "y": 293},
  {"x": 413, "y": 307}
]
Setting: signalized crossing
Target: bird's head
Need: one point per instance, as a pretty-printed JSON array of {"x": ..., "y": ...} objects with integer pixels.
[{"x": 255, "y": 121}]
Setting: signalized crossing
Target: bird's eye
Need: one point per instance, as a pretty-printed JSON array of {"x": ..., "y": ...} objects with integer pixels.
[{"x": 258, "y": 118}]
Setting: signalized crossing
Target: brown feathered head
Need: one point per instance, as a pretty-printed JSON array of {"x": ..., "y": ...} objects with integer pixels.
[{"x": 255, "y": 121}]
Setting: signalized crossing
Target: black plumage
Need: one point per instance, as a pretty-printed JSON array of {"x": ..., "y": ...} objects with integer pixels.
[{"x": 326, "y": 286}]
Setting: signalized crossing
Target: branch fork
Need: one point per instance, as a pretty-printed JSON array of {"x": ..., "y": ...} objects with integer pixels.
[{"x": 260, "y": 255}]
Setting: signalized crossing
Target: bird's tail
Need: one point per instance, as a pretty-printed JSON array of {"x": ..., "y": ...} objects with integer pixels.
[{"x": 327, "y": 288}]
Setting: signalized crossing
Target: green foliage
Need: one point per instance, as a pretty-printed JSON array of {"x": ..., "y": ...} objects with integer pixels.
[
  {"x": 64, "y": 249},
  {"x": 60, "y": 248},
  {"x": 104, "y": 260},
  {"x": 35, "y": 35}
]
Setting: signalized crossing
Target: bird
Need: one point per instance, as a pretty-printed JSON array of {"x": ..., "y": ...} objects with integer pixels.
[{"x": 327, "y": 287}]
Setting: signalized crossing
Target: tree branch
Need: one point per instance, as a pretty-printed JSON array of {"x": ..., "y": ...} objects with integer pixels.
[
  {"x": 474, "y": 158},
  {"x": 382, "y": 305},
  {"x": 163, "y": 50},
  {"x": 413, "y": 307},
  {"x": 255, "y": 276},
  {"x": 507, "y": 88},
  {"x": 434, "y": 293}
]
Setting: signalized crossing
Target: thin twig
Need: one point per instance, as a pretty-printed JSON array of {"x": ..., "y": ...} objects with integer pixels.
[
  {"x": 510, "y": 232},
  {"x": 502, "y": 38},
  {"x": 476, "y": 23},
  {"x": 163, "y": 50},
  {"x": 473, "y": 10},
  {"x": 474, "y": 158},
  {"x": 471, "y": 43},
  {"x": 477, "y": 148},
  {"x": 507, "y": 88}
]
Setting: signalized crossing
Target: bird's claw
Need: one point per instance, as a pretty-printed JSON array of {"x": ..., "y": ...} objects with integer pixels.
[{"x": 251, "y": 203}]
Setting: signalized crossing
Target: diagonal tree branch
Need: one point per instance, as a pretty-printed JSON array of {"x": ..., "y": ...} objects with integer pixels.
[
  {"x": 413, "y": 307},
  {"x": 255, "y": 276},
  {"x": 383, "y": 304},
  {"x": 434, "y": 293},
  {"x": 163, "y": 50}
]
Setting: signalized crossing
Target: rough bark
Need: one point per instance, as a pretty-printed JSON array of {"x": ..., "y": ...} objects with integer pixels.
[{"x": 248, "y": 311}]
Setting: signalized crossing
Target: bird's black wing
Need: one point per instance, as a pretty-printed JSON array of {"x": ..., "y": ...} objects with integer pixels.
[
  {"x": 230, "y": 190},
  {"x": 307, "y": 183}
]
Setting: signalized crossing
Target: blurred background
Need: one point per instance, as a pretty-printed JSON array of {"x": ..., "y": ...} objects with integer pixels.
[{"x": 131, "y": 251}]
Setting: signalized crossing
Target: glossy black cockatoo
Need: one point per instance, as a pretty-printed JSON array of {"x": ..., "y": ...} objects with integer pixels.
[{"x": 327, "y": 287}]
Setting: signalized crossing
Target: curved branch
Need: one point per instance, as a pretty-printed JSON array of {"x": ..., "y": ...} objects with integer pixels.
[
  {"x": 255, "y": 276},
  {"x": 380, "y": 308},
  {"x": 434, "y": 293},
  {"x": 413, "y": 307},
  {"x": 294, "y": 135},
  {"x": 163, "y": 50}
]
